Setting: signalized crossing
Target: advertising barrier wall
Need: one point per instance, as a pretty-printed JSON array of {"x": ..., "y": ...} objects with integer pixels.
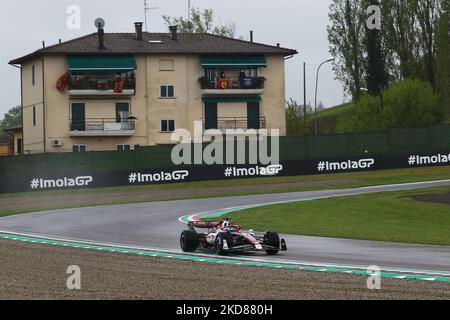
[{"x": 94, "y": 178}]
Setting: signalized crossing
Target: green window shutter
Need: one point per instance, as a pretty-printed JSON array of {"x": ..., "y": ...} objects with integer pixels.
[{"x": 211, "y": 115}]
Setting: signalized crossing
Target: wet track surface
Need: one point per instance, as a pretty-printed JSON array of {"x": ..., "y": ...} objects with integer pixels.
[{"x": 156, "y": 225}]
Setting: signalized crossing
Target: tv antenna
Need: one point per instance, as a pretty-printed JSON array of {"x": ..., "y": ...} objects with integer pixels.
[
  {"x": 146, "y": 9},
  {"x": 189, "y": 16}
]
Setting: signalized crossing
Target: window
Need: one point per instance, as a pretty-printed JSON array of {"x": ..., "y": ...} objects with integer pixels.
[
  {"x": 33, "y": 75},
  {"x": 122, "y": 112},
  {"x": 166, "y": 65},
  {"x": 79, "y": 148},
  {"x": 77, "y": 76},
  {"x": 252, "y": 73},
  {"x": 34, "y": 115},
  {"x": 167, "y": 125},
  {"x": 123, "y": 147},
  {"x": 167, "y": 91}
]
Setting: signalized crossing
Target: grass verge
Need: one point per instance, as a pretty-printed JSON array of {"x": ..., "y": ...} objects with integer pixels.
[{"x": 393, "y": 217}]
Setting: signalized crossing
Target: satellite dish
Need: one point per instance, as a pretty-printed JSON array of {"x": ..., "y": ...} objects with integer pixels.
[{"x": 99, "y": 23}]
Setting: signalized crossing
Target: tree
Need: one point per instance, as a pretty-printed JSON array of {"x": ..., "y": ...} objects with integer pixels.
[
  {"x": 376, "y": 78},
  {"x": 12, "y": 118},
  {"x": 428, "y": 12},
  {"x": 201, "y": 22},
  {"x": 443, "y": 56},
  {"x": 296, "y": 123},
  {"x": 346, "y": 34},
  {"x": 407, "y": 103},
  {"x": 400, "y": 37},
  {"x": 412, "y": 103},
  {"x": 406, "y": 47}
]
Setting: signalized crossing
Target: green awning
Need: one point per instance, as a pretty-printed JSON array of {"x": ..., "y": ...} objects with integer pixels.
[
  {"x": 233, "y": 61},
  {"x": 232, "y": 99},
  {"x": 96, "y": 63}
]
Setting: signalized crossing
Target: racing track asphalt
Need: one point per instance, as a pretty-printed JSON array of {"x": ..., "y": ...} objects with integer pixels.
[{"x": 156, "y": 225}]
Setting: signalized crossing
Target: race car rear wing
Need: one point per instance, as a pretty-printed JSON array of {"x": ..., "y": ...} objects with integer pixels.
[{"x": 204, "y": 224}]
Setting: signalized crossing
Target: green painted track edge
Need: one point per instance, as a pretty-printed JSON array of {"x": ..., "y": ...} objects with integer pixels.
[{"x": 220, "y": 260}]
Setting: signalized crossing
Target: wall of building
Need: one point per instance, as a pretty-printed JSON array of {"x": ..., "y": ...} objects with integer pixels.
[
  {"x": 274, "y": 96},
  {"x": 18, "y": 136},
  {"x": 32, "y": 98},
  {"x": 58, "y": 106},
  {"x": 185, "y": 107},
  {"x": 147, "y": 105}
]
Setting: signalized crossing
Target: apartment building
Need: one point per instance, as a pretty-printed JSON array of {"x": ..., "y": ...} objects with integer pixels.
[{"x": 114, "y": 91}]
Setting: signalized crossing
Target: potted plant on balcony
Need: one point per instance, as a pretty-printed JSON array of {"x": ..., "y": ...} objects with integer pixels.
[
  {"x": 204, "y": 82},
  {"x": 260, "y": 82}
]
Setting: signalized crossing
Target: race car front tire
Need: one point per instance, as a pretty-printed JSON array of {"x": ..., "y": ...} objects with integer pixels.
[
  {"x": 272, "y": 239},
  {"x": 189, "y": 241},
  {"x": 220, "y": 243}
]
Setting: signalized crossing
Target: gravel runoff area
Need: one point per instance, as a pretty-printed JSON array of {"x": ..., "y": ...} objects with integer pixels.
[{"x": 34, "y": 271}]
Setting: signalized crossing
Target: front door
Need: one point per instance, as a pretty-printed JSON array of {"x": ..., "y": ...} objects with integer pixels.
[
  {"x": 210, "y": 115},
  {"x": 253, "y": 115},
  {"x": 78, "y": 117}
]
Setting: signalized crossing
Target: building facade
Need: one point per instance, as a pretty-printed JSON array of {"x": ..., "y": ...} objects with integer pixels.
[{"x": 114, "y": 91}]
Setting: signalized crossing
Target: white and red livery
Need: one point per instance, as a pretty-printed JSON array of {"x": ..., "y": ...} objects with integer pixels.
[{"x": 224, "y": 237}]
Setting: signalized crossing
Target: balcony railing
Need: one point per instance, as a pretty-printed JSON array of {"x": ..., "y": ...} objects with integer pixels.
[
  {"x": 224, "y": 123},
  {"x": 98, "y": 127},
  {"x": 105, "y": 85},
  {"x": 228, "y": 83}
]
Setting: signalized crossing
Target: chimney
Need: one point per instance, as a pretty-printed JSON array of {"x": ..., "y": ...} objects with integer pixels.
[
  {"x": 173, "y": 32},
  {"x": 43, "y": 44},
  {"x": 138, "y": 26},
  {"x": 278, "y": 44},
  {"x": 101, "y": 39},
  {"x": 251, "y": 35}
]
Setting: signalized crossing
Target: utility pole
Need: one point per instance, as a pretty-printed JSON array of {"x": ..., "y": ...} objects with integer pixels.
[{"x": 304, "y": 91}]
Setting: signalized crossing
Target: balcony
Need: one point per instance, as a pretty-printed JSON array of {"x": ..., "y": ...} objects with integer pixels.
[
  {"x": 86, "y": 85},
  {"x": 102, "y": 128},
  {"x": 235, "y": 123},
  {"x": 232, "y": 85}
]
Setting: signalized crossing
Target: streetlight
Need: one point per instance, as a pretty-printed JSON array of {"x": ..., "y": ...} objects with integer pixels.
[{"x": 315, "y": 102}]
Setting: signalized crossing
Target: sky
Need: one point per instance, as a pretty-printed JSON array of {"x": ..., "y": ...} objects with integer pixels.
[{"x": 295, "y": 24}]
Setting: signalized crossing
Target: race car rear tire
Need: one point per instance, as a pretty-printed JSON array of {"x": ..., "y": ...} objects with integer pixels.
[
  {"x": 220, "y": 244},
  {"x": 189, "y": 241},
  {"x": 272, "y": 239}
]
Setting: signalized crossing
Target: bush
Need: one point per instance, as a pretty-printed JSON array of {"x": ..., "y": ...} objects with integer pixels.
[
  {"x": 366, "y": 116},
  {"x": 412, "y": 103},
  {"x": 408, "y": 103}
]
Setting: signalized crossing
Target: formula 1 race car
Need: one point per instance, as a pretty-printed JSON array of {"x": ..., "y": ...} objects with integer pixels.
[{"x": 224, "y": 237}]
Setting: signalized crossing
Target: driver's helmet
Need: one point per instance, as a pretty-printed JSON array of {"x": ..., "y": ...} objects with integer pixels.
[{"x": 226, "y": 224}]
